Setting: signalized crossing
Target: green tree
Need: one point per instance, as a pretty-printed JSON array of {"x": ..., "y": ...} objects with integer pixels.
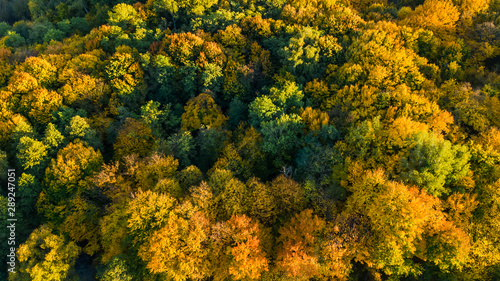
[
  {"x": 182, "y": 146},
  {"x": 124, "y": 16},
  {"x": 53, "y": 34},
  {"x": 79, "y": 128},
  {"x": 162, "y": 121},
  {"x": 209, "y": 142},
  {"x": 281, "y": 138},
  {"x": 284, "y": 98},
  {"x": 308, "y": 53},
  {"x": 13, "y": 39},
  {"x": 434, "y": 163},
  {"x": 4, "y": 27}
]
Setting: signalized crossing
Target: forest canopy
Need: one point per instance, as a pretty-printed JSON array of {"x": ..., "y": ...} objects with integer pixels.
[{"x": 250, "y": 139}]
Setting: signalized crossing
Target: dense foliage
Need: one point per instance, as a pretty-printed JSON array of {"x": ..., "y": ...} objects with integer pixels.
[{"x": 251, "y": 139}]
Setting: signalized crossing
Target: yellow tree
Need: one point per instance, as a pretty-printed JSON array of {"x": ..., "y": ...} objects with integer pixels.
[
  {"x": 46, "y": 256},
  {"x": 314, "y": 119},
  {"x": 289, "y": 194},
  {"x": 64, "y": 202},
  {"x": 179, "y": 250},
  {"x": 134, "y": 137},
  {"x": 83, "y": 88},
  {"x": 42, "y": 70},
  {"x": 40, "y": 104},
  {"x": 472, "y": 6},
  {"x": 437, "y": 15},
  {"x": 202, "y": 111},
  {"x": 406, "y": 222},
  {"x": 21, "y": 82}
]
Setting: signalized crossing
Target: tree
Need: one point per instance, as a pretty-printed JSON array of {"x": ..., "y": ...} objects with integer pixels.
[
  {"x": 377, "y": 63},
  {"x": 17, "y": 128},
  {"x": 28, "y": 192},
  {"x": 46, "y": 256},
  {"x": 179, "y": 249},
  {"x": 230, "y": 194},
  {"x": 40, "y": 104},
  {"x": 417, "y": 229},
  {"x": 79, "y": 129},
  {"x": 65, "y": 178},
  {"x": 434, "y": 163},
  {"x": 81, "y": 220},
  {"x": 248, "y": 143},
  {"x": 314, "y": 119},
  {"x": 210, "y": 142},
  {"x": 261, "y": 201},
  {"x": 125, "y": 75},
  {"x": 281, "y": 137},
  {"x": 83, "y": 91},
  {"x": 5, "y": 55},
  {"x": 72, "y": 164},
  {"x": 202, "y": 111},
  {"x": 125, "y": 16},
  {"x": 31, "y": 152},
  {"x": 263, "y": 109},
  {"x": 22, "y": 82},
  {"x": 190, "y": 176},
  {"x": 52, "y": 137},
  {"x": 14, "y": 39},
  {"x": 296, "y": 254},
  {"x": 161, "y": 121},
  {"x": 284, "y": 98},
  {"x": 182, "y": 146},
  {"x": 472, "y": 6},
  {"x": 484, "y": 230},
  {"x": 237, "y": 251},
  {"x": 316, "y": 163},
  {"x": 289, "y": 195},
  {"x": 133, "y": 137},
  {"x": 42, "y": 70},
  {"x": 162, "y": 6},
  {"x": 436, "y": 15},
  {"x": 115, "y": 270},
  {"x": 53, "y": 35},
  {"x": 332, "y": 17},
  {"x": 4, "y": 163},
  {"x": 232, "y": 161},
  {"x": 190, "y": 7},
  {"x": 308, "y": 52},
  {"x": 159, "y": 171}
]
